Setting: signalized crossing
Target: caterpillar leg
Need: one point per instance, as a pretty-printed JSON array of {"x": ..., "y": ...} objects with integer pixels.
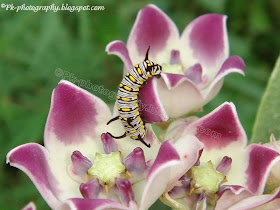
[
  {"x": 129, "y": 120},
  {"x": 140, "y": 139},
  {"x": 117, "y": 137},
  {"x": 143, "y": 119},
  {"x": 113, "y": 119},
  {"x": 158, "y": 76}
]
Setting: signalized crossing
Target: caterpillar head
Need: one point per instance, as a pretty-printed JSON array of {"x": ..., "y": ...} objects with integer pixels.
[{"x": 154, "y": 69}]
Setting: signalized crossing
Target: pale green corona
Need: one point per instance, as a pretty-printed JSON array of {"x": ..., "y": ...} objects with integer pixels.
[
  {"x": 107, "y": 167},
  {"x": 174, "y": 69},
  {"x": 206, "y": 179}
]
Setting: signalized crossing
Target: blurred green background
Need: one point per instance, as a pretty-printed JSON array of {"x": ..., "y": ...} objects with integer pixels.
[{"x": 33, "y": 45}]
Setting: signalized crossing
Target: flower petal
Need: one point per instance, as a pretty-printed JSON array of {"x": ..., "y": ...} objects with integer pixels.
[
  {"x": 225, "y": 165},
  {"x": 175, "y": 57},
  {"x": 257, "y": 201},
  {"x": 91, "y": 204},
  {"x": 109, "y": 143},
  {"x": 194, "y": 73},
  {"x": 219, "y": 129},
  {"x": 172, "y": 162},
  {"x": 175, "y": 92},
  {"x": 119, "y": 49},
  {"x": 136, "y": 164},
  {"x": 150, "y": 104},
  {"x": 201, "y": 203},
  {"x": 231, "y": 65},
  {"x": 74, "y": 116},
  {"x": 29, "y": 206},
  {"x": 125, "y": 191},
  {"x": 177, "y": 127},
  {"x": 33, "y": 160},
  {"x": 205, "y": 41},
  {"x": 229, "y": 195},
  {"x": 261, "y": 160},
  {"x": 90, "y": 190},
  {"x": 273, "y": 204},
  {"x": 155, "y": 29},
  {"x": 274, "y": 178},
  {"x": 79, "y": 166},
  {"x": 181, "y": 190}
]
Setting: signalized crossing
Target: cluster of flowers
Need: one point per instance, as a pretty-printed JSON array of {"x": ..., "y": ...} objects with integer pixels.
[{"x": 82, "y": 167}]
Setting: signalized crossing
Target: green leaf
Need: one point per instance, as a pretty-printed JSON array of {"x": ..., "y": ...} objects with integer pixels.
[{"x": 268, "y": 116}]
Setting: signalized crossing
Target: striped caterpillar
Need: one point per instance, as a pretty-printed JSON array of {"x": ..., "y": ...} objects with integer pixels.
[{"x": 128, "y": 102}]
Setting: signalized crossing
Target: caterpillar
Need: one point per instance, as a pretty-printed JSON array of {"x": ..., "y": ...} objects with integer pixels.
[{"x": 128, "y": 99}]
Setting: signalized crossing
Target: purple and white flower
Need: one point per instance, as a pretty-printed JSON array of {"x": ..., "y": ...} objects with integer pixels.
[
  {"x": 232, "y": 174},
  {"x": 81, "y": 167},
  {"x": 194, "y": 64}
]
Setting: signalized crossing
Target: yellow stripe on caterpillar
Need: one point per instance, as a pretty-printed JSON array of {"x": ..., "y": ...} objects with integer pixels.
[
  {"x": 125, "y": 109},
  {"x": 133, "y": 131},
  {"x": 132, "y": 79},
  {"x": 139, "y": 71},
  {"x": 125, "y": 99},
  {"x": 121, "y": 85},
  {"x": 127, "y": 88},
  {"x": 136, "y": 112}
]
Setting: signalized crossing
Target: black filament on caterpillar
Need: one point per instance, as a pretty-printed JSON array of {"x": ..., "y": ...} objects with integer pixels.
[{"x": 128, "y": 99}]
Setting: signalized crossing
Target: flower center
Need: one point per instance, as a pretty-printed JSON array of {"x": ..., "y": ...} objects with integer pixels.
[
  {"x": 206, "y": 179},
  {"x": 172, "y": 68},
  {"x": 107, "y": 167}
]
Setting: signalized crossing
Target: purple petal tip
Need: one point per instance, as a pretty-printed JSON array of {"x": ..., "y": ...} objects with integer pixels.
[
  {"x": 80, "y": 165},
  {"x": 90, "y": 190},
  {"x": 225, "y": 165},
  {"x": 135, "y": 162},
  {"x": 109, "y": 144},
  {"x": 125, "y": 191}
]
